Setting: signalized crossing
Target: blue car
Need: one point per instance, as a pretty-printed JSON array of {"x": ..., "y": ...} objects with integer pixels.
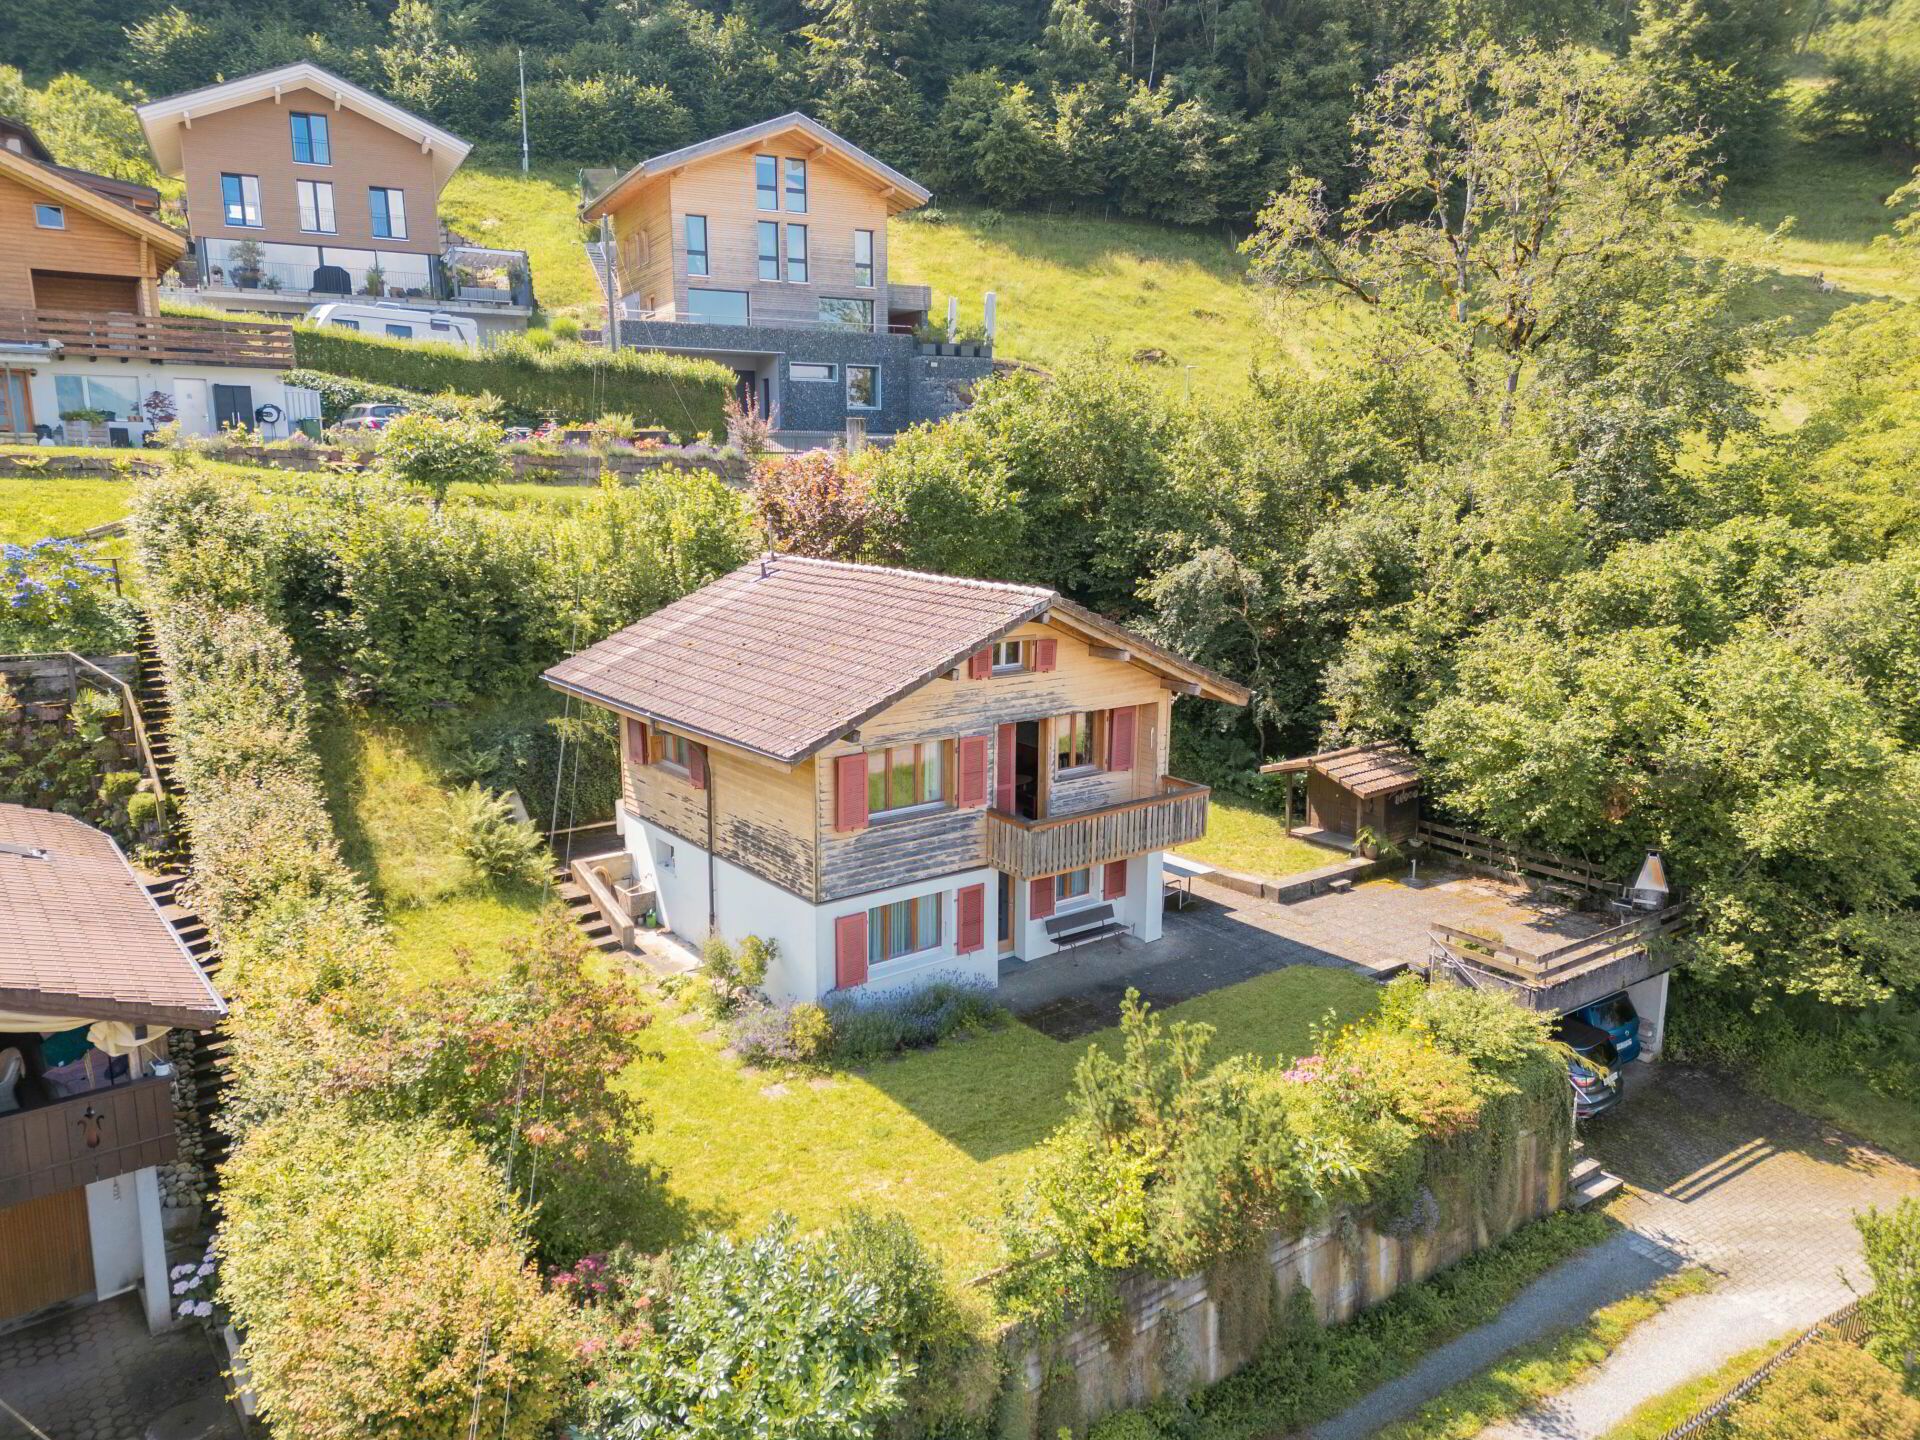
[{"x": 1617, "y": 1017}]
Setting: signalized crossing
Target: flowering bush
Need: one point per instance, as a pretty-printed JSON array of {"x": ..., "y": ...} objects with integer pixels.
[
  {"x": 54, "y": 595},
  {"x": 193, "y": 1284}
]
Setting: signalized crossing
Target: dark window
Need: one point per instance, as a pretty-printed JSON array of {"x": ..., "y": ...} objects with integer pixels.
[
  {"x": 797, "y": 254},
  {"x": 311, "y": 143},
  {"x": 696, "y": 245},
  {"x": 769, "y": 240},
  {"x": 389, "y": 212},
  {"x": 863, "y": 257}
]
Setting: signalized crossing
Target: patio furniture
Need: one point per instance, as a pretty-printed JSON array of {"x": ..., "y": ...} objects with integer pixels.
[
  {"x": 1084, "y": 927},
  {"x": 1178, "y": 877}
]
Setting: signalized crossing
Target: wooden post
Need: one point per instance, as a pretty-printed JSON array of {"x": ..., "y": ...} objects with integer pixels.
[{"x": 1286, "y": 787}]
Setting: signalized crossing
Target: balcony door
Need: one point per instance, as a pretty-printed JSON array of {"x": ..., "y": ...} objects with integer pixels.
[{"x": 1018, "y": 780}]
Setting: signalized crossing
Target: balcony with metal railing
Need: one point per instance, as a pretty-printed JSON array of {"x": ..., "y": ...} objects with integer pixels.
[
  {"x": 461, "y": 275},
  {"x": 1025, "y": 848}
]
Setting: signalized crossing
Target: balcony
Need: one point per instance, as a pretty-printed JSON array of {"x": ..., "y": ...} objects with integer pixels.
[
  {"x": 95, "y": 1136},
  {"x": 105, "y": 335},
  {"x": 461, "y": 275},
  {"x": 1027, "y": 848}
]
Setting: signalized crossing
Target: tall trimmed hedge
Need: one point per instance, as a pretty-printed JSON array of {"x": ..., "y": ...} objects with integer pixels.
[{"x": 566, "y": 381}]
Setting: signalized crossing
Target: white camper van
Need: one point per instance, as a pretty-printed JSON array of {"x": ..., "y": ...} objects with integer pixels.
[{"x": 397, "y": 322}]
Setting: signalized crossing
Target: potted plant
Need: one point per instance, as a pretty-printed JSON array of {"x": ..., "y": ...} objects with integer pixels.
[
  {"x": 81, "y": 423},
  {"x": 376, "y": 281},
  {"x": 245, "y": 262},
  {"x": 158, "y": 409}
]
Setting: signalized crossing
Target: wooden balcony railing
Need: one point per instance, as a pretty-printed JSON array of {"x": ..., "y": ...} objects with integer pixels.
[
  {"x": 111, "y": 335},
  {"x": 90, "y": 1137},
  {"x": 1026, "y": 848}
]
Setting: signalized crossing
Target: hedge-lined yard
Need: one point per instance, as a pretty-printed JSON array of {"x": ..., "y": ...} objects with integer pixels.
[{"x": 565, "y": 381}]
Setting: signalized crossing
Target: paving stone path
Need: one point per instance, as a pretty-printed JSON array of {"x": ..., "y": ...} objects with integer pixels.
[
  {"x": 96, "y": 1374},
  {"x": 1762, "y": 1196}
]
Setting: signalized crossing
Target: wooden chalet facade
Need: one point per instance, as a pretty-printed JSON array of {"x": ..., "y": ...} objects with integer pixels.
[
  {"x": 92, "y": 977},
  {"x": 895, "y": 776}
]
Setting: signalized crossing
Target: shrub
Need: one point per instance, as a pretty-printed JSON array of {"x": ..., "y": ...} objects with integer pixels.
[
  {"x": 870, "y": 1028},
  {"x": 1892, "y": 1309},
  {"x": 561, "y": 380},
  {"x": 54, "y": 595},
  {"x": 734, "y": 975},
  {"x": 776, "y": 1334},
  {"x": 340, "y": 393},
  {"x": 484, "y": 831},
  {"x": 434, "y": 455},
  {"x": 376, "y": 1271},
  {"x": 1829, "y": 1391}
]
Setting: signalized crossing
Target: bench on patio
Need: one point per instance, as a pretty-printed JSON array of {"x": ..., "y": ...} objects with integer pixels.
[{"x": 1084, "y": 927}]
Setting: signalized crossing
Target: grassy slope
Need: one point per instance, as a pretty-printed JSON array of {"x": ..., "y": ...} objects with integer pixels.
[
  {"x": 1242, "y": 838},
  {"x": 537, "y": 215}
]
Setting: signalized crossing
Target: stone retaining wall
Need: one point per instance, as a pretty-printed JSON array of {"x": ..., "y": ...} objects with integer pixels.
[{"x": 1174, "y": 1335}]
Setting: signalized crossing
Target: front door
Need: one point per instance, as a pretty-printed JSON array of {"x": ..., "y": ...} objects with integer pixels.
[
  {"x": 16, "y": 409},
  {"x": 233, "y": 405},
  {"x": 193, "y": 407},
  {"x": 1006, "y": 912}
]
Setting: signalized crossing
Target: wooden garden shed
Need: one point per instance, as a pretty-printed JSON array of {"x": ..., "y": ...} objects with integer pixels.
[{"x": 1374, "y": 786}]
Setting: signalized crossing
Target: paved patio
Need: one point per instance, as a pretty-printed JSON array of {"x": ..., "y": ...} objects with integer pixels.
[
  {"x": 96, "y": 1374},
  {"x": 1225, "y": 936}
]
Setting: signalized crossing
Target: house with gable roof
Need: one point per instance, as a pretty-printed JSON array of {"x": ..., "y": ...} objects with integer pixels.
[
  {"x": 765, "y": 250},
  {"x": 893, "y": 775}
]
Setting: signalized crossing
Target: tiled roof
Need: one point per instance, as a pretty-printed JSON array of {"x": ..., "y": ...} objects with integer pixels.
[
  {"x": 79, "y": 935},
  {"x": 786, "y": 654},
  {"x": 1373, "y": 769}
]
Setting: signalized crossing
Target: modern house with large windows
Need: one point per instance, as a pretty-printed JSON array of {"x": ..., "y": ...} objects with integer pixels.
[
  {"x": 303, "y": 188},
  {"x": 893, "y": 775},
  {"x": 765, "y": 249}
]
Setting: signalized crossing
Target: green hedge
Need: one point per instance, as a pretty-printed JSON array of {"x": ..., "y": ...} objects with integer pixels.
[
  {"x": 340, "y": 393},
  {"x": 564, "y": 381}
]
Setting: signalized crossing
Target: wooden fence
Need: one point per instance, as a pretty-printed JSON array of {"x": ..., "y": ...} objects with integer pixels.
[
  {"x": 1846, "y": 1323},
  {"x": 1517, "y": 860},
  {"x": 117, "y": 336},
  {"x": 1027, "y": 848},
  {"x": 1543, "y": 967}
]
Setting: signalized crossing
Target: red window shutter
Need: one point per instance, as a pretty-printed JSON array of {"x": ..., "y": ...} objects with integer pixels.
[
  {"x": 973, "y": 919},
  {"x": 697, "y": 766},
  {"x": 850, "y": 951},
  {"x": 850, "y": 793},
  {"x": 980, "y": 664},
  {"x": 973, "y": 770},
  {"x": 1045, "y": 653},
  {"x": 637, "y": 741},
  {"x": 1114, "y": 884},
  {"x": 1005, "y": 770},
  {"x": 1120, "y": 738},
  {"x": 1040, "y": 898}
]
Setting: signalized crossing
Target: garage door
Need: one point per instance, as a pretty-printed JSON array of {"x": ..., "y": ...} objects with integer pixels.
[
  {"x": 55, "y": 291},
  {"x": 46, "y": 1253}
]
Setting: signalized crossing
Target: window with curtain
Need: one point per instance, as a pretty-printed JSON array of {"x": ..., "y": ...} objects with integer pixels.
[
  {"x": 904, "y": 928},
  {"x": 902, "y": 777},
  {"x": 316, "y": 205},
  {"x": 1073, "y": 885}
]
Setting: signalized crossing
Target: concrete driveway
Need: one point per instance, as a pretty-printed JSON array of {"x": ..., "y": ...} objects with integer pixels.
[{"x": 1718, "y": 1177}]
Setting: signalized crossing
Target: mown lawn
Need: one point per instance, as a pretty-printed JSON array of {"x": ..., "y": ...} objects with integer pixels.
[
  {"x": 937, "y": 1134},
  {"x": 36, "y": 508},
  {"x": 1254, "y": 842},
  {"x": 537, "y": 214}
]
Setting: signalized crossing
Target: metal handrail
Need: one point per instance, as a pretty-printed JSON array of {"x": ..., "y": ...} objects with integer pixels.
[{"x": 129, "y": 710}]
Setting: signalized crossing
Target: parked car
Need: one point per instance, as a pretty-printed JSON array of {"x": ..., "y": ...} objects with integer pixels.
[
  {"x": 370, "y": 417},
  {"x": 1615, "y": 1015},
  {"x": 1594, "y": 1070}
]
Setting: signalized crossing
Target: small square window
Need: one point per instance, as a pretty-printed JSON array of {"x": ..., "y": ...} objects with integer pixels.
[
  {"x": 1073, "y": 884},
  {"x": 50, "y": 217},
  {"x": 863, "y": 387},
  {"x": 1009, "y": 655}
]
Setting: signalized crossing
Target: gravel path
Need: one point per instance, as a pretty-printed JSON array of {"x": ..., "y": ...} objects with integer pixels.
[{"x": 1757, "y": 1193}]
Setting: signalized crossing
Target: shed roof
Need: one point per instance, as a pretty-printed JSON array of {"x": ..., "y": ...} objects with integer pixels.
[
  {"x": 1378, "y": 768},
  {"x": 786, "y": 654},
  {"x": 79, "y": 935},
  {"x": 899, "y": 188}
]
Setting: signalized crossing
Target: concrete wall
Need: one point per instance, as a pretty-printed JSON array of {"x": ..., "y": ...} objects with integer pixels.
[{"x": 1177, "y": 1334}]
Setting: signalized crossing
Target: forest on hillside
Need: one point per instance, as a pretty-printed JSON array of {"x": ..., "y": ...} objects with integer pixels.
[{"x": 1184, "y": 111}]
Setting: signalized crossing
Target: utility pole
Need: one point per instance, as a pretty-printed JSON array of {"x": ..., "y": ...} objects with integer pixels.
[{"x": 523, "y": 113}]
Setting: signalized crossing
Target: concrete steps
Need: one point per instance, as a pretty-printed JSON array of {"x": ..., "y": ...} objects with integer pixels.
[
  {"x": 586, "y": 914},
  {"x": 1589, "y": 1185}
]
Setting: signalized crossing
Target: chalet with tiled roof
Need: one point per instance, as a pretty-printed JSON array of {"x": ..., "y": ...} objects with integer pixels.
[{"x": 894, "y": 775}]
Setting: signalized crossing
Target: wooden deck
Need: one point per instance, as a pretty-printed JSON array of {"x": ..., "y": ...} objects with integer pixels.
[{"x": 179, "y": 338}]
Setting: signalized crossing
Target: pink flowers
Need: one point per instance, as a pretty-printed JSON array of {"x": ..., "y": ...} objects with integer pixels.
[{"x": 1305, "y": 1070}]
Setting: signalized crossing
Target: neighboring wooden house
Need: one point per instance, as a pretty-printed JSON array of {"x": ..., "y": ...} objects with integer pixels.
[
  {"x": 304, "y": 188},
  {"x": 1362, "y": 787},
  {"x": 80, "y": 322},
  {"x": 91, "y": 979},
  {"x": 893, "y": 775},
  {"x": 765, "y": 249}
]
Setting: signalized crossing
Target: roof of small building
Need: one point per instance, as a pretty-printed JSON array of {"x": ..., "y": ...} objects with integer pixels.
[
  {"x": 164, "y": 119},
  {"x": 911, "y": 192},
  {"x": 1378, "y": 768},
  {"x": 79, "y": 935},
  {"x": 98, "y": 196},
  {"x": 786, "y": 654}
]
